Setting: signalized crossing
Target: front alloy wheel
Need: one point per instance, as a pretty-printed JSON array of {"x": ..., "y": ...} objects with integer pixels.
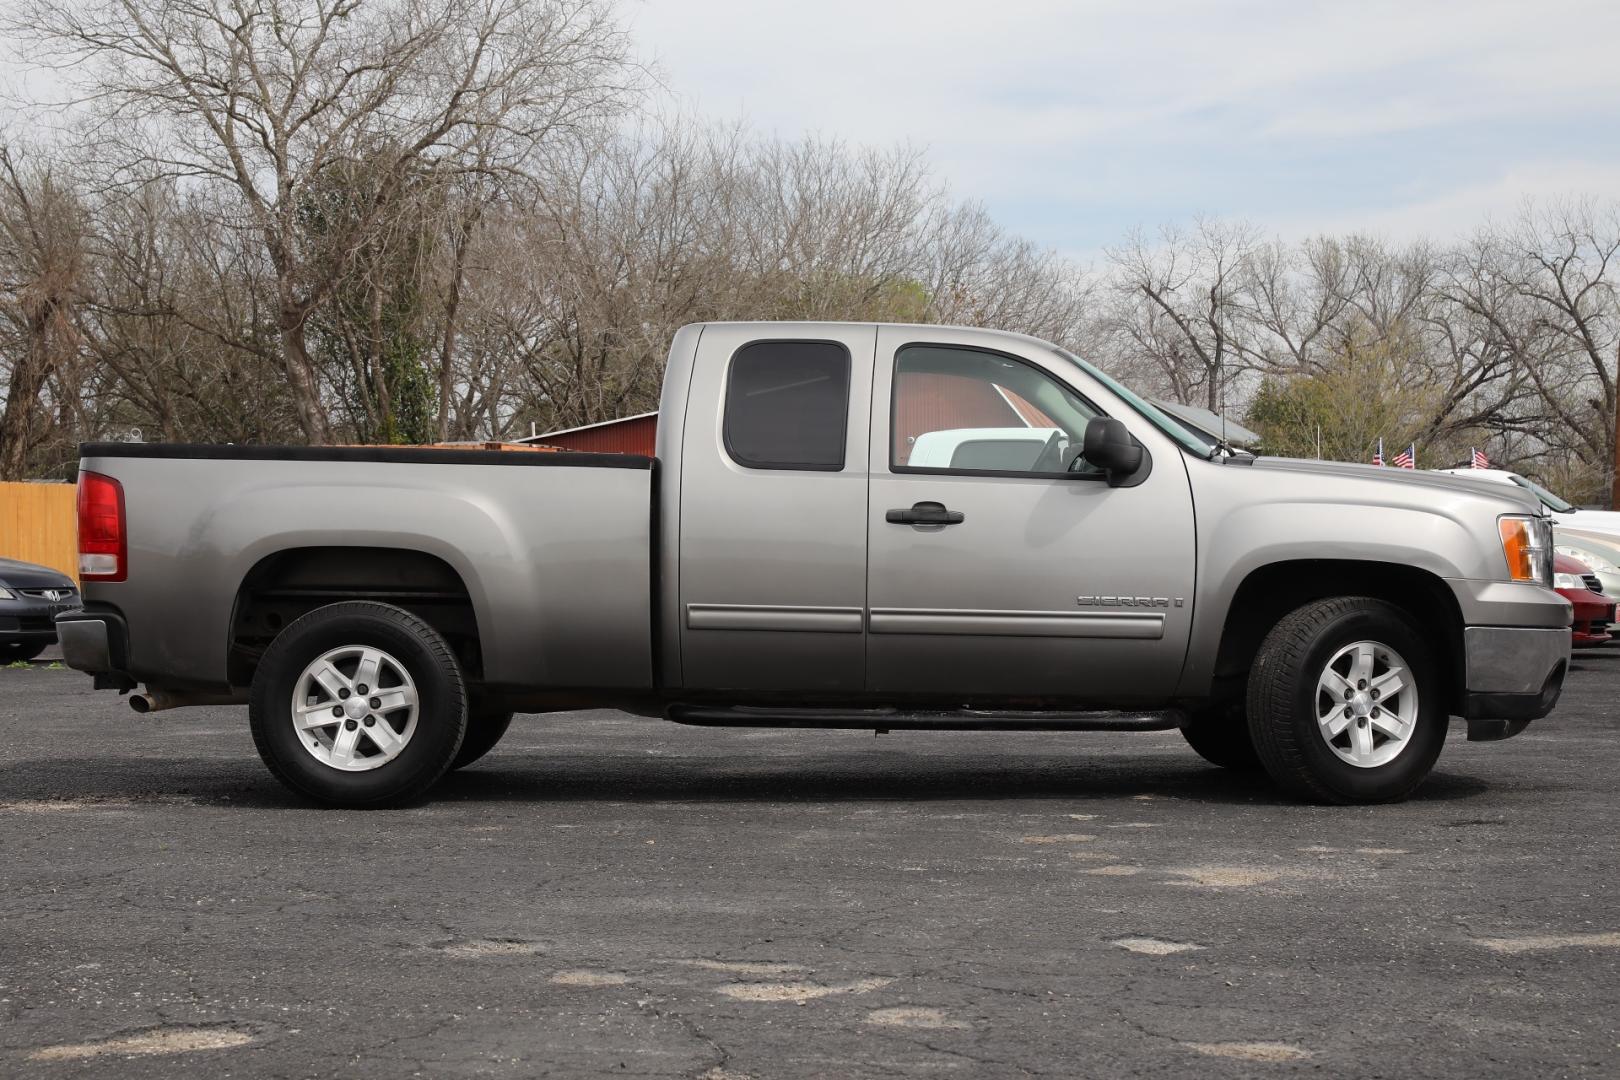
[{"x": 1345, "y": 702}]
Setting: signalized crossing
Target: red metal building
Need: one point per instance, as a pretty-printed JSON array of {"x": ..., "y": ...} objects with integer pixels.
[
  {"x": 631, "y": 435},
  {"x": 924, "y": 403}
]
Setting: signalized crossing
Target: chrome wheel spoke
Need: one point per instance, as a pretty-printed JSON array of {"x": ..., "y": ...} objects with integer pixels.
[
  {"x": 307, "y": 717},
  {"x": 367, "y": 673},
  {"x": 1333, "y": 720},
  {"x": 330, "y": 679},
  {"x": 1336, "y": 685},
  {"x": 384, "y": 738},
  {"x": 1390, "y": 683},
  {"x": 1361, "y": 664},
  {"x": 343, "y": 746},
  {"x": 1389, "y": 724},
  {"x": 396, "y": 697},
  {"x": 1361, "y": 741}
]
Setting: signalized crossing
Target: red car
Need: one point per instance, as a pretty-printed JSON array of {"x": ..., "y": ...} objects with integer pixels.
[{"x": 1594, "y": 612}]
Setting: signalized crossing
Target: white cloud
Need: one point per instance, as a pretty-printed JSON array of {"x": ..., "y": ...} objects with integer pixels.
[
  {"x": 1462, "y": 210},
  {"x": 1151, "y": 109},
  {"x": 1076, "y": 120}
]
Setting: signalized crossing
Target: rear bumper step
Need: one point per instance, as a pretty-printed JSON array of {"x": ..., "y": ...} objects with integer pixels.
[{"x": 919, "y": 720}]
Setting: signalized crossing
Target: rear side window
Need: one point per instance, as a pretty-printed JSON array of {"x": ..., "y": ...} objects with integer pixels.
[{"x": 786, "y": 405}]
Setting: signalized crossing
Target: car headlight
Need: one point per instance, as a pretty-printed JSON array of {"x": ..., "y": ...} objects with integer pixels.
[
  {"x": 7, "y": 594},
  {"x": 1527, "y": 546},
  {"x": 1568, "y": 581},
  {"x": 1599, "y": 566}
]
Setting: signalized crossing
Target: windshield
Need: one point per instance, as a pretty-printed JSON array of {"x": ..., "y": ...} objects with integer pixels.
[
  {"x": 1554, "y": 503},
  {"x": 1190, "y": 440}
]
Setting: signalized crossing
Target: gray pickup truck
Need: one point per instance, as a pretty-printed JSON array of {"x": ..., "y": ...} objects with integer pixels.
[{"x": 1066, "y": 557}]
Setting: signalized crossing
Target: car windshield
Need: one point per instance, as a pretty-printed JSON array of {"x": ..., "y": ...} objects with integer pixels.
[
  {"x": 1554, "y": 503},
  {"x": 1193, "y": 442}
]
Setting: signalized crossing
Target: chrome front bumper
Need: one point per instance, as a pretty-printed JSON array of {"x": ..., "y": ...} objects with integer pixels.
[{"x": 1514, "y": 675}]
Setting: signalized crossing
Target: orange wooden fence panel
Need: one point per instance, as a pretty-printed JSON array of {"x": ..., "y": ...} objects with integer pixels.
[{"x": 39, "y": 524}]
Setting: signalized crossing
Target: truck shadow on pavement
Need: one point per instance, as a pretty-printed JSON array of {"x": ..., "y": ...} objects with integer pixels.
[
  {"x": 832, "y": 780},
  {"x": 526, "y": 776}
]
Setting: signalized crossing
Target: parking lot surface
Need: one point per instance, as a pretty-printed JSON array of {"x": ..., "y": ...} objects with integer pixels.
[{"x": 607, "y": 895}]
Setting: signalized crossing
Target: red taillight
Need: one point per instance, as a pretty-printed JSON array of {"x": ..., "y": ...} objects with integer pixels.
[{"x": 103, "y": 544}]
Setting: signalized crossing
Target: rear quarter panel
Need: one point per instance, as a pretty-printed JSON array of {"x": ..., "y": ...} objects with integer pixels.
[{"x": 556, "y": 559}]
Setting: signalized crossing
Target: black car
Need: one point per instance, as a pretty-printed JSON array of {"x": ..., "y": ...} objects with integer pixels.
[{"x": 31, "y": 597}]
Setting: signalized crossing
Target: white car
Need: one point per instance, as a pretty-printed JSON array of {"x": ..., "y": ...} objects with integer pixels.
[
  {"x": 1600, "y": 552},
  {"x": 1563, "y": 513},
  {"x": 1009, "y": 449}
]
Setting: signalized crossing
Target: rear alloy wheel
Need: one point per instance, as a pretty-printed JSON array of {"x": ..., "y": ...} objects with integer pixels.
[
  {"x": 1345, "y": 704},
  {"x": 358, "y": 704}
]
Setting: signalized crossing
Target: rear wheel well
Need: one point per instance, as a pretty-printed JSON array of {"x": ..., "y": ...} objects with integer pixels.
[
  {"x": 1271, "y": 592},
  {"x": 289, "y": 584}
]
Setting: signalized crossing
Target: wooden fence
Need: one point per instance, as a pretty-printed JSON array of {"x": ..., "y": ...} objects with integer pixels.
[{"x": 39, "y": 524}]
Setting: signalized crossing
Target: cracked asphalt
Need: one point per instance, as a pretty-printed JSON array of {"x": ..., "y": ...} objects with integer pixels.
[{"x": 607, "y": 895}]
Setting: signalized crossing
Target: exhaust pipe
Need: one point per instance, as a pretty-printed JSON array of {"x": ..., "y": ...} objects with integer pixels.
[{"x": 152, "y": 700}]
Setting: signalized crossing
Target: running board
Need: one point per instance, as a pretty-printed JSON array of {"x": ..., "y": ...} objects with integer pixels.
[{"x": 883, "y": 720}]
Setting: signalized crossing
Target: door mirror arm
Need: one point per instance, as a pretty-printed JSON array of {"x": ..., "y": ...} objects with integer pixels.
[{"x": 1110, "y": 447}]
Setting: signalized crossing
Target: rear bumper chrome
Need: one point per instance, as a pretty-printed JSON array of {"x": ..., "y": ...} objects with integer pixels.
[{"x": 93, "y": 641}]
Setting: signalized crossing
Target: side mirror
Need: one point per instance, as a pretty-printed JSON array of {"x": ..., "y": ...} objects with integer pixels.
[{"x": 1110, "y": 447}]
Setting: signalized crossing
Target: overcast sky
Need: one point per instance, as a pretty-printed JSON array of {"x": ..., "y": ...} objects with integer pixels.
[{"x": 1077, "y": 121}]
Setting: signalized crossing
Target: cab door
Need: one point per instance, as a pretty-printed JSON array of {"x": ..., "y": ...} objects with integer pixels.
[
  {"x": 772, "y": 533},
  {"x": 997, "y": 564}
]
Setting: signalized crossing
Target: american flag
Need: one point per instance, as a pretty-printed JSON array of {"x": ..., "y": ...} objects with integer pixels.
[
  {"x": 1480, "y": 461},
  {"x": 1406, "y": 459},
  {"x": 1378, "y": 455}
]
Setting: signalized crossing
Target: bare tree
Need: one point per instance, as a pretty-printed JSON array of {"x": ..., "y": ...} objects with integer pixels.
[
  {"x": 1568, "y": 255},
  {"x": 1180, "y": 305},
  {"x": 41, "y": 269},
  {"x": 265, "y": 97},
  {"x": 1542, "y": 296}
]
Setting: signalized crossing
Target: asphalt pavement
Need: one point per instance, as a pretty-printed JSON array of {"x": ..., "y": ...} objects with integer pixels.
[{"x": 613, "y": 896}]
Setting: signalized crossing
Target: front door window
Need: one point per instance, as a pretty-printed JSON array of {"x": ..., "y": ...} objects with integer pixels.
[{"x": 959, "y": 410}]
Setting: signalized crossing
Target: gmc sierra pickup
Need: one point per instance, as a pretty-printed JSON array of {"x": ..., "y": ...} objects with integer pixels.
[{"x": 791, "y": 557}]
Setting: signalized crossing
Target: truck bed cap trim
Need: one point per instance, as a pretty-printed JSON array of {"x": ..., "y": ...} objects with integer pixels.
[{"x": 416, "y": 455}]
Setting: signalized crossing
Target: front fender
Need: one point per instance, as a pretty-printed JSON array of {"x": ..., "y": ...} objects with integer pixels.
[{"x": 1236, "y": 544}]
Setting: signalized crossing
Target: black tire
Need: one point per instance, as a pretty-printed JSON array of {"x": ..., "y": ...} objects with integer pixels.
[
  {"x": 484, "y": 729},
  {"x": 1220, "y": 734},
  {"x": 12, "y": 652},
  {"x": 441, "y": 704},
  {"x": 1283, "y": 702}
]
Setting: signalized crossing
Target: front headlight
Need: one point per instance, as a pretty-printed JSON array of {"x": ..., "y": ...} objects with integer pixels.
[
  {"x": 7, "y": 594},
  {"x": 1527, "y": 546},
  {"x": 1568, "y": 581}
]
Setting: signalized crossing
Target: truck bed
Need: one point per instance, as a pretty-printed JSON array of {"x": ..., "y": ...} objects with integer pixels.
[{"x": 554, "y": 549}]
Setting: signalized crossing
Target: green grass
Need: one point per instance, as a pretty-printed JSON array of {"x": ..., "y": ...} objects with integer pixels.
[
  {"x": 56, "y": 665},
  {"x": 19, "y": 664}
]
